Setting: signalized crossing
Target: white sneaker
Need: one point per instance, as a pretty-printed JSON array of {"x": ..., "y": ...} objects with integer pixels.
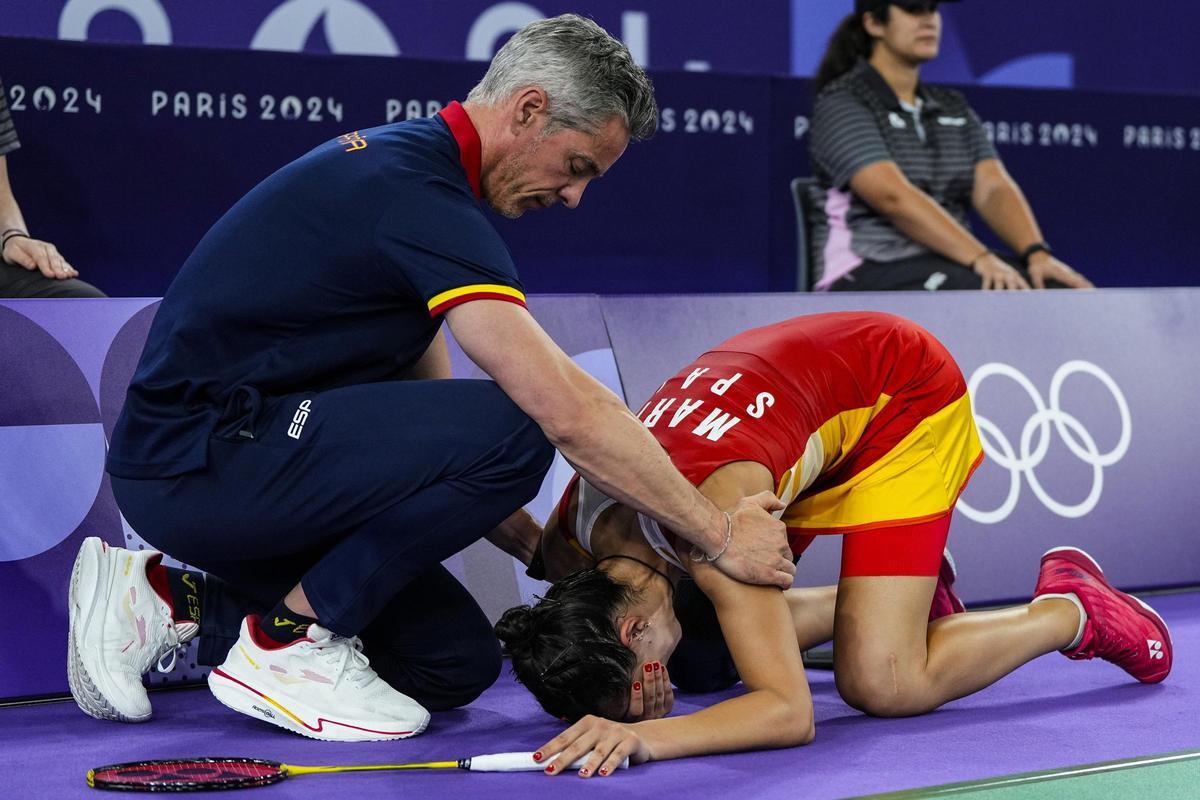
[
  {"x": 119, "y": 628},
  {"x": 321, "y": 686}
]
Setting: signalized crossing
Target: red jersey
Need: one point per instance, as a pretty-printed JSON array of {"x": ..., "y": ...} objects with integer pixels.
[{"x": 833, "y": 405}]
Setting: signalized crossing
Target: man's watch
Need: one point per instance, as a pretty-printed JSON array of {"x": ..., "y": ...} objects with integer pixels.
[{"x": 1036, "y": 247}]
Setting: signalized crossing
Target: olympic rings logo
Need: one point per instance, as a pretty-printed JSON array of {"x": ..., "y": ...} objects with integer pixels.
[{"x": 1077, "y": 438}]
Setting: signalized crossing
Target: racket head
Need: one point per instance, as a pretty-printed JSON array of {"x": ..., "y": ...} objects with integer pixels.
[{"x": 187, "y": 775}]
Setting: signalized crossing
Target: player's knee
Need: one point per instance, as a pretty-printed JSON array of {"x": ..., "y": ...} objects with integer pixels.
[
  {"x": 872, "y": 697},
  {"x": 879, "y": 687}
]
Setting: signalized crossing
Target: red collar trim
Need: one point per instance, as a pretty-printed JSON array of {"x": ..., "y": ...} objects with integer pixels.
[{"x": 470, "y": 149}]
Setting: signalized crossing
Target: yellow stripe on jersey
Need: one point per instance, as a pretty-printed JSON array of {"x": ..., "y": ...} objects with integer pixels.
[
  {"x": 802, "y": 474},
  {"x": 921, "y": 477},
  {"x": 840, "y": 434},
  {"x": 828, "y": 446},
  {"x": 477, "y": 288}
]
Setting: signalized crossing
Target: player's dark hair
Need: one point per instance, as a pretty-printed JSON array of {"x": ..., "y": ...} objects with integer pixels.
[
  {"x": 566, "y": 650},
  {"x": 848, "y": 43}
]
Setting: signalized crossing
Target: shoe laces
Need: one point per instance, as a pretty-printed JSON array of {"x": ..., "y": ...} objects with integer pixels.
[
  {"x": 351, "y": 663},
  {"x": 173, "y": 648}
]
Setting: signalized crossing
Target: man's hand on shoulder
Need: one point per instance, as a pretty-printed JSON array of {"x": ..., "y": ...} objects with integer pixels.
[{"x": 758, "y": 549}]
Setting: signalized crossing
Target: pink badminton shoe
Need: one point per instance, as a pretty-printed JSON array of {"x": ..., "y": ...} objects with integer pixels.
[
  {"x": 945, "y": 601},
  {"x": 1117, "y": 627}
]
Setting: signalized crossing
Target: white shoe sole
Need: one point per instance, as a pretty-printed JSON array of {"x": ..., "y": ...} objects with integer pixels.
[
  {"x": 240, "y": 696},
  {"x": 87, "y": 696}
]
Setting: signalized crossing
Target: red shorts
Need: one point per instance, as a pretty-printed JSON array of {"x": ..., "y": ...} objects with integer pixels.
[{"x": 914, "y": 549}]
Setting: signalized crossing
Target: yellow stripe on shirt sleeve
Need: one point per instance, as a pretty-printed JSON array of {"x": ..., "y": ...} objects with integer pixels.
[{"x": 449, "y": 296}]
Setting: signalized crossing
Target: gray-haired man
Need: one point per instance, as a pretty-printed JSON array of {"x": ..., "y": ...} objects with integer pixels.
[{"x": 294, "y": 456}]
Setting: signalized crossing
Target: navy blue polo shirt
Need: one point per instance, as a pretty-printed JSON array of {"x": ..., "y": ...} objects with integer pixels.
[{"x": 333, "y": 271}]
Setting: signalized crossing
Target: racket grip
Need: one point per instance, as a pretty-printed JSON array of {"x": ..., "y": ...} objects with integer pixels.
[{"x": 517, "y": 762}]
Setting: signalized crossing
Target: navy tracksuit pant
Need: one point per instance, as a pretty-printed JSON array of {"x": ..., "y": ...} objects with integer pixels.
[{"x": 358, "y": 493}]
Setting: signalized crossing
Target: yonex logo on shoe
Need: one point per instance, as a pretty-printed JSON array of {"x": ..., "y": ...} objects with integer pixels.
[
  {"x": 1155, "y": 648},
  {"x": 299, "y": 418}
]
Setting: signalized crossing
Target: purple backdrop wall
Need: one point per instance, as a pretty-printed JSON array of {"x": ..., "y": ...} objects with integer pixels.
[
  {"x": 1084, "y": 400},
  {"x": 130, "y": 153},
  {"x": 1017, "y": 43},
  {"x": 128, "y": 184}
]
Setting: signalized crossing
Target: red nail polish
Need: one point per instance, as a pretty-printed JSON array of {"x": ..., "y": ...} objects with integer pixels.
[
  {"x": 537, "y": 756},
  {"x": 604, "y": 770},
  {"x": 649, "y": 668},
  {"x": 637, "y": 686},
  {"x": 583, "y": 772},
  {"x": 550, "y": 769},
  {"x": 657, "y": 666}
]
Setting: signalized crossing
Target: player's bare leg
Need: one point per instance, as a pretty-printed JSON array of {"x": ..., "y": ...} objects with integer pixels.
[
  {"x": 813, "y": 607},
  {"x": 812, "y": 613},
  {"x": 890, "y": 661}
]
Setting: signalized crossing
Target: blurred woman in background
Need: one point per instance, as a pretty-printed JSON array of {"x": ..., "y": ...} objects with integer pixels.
[{"x": 898, "y": 164}]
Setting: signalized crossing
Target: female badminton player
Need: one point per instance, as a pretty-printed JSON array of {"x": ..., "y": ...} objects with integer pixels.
[{"x": 860, "y": 424}]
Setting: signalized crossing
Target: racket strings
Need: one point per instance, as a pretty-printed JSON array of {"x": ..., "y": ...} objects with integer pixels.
[{"x": 188, "y": 773}]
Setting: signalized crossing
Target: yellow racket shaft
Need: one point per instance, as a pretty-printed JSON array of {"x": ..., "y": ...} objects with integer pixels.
[
  {"x": 297, "y": 769},
  {"x": 492, "y": 762}
]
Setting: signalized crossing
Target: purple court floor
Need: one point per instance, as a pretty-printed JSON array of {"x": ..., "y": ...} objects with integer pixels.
[{"x": 1051, "y": 713}]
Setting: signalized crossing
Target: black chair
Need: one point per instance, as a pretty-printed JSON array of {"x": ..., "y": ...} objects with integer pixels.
[{"x": 803, "y": 204}]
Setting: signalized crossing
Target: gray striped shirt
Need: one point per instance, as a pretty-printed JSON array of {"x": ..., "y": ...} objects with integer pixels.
[
  {"x": 8, "y": 135},
  {"x": 858, "y": 121}
]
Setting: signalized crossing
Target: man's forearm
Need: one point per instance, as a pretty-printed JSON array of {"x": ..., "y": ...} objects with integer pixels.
[
  {"x": 588, "y": 424},
  {"x": 613, "y": 450}
]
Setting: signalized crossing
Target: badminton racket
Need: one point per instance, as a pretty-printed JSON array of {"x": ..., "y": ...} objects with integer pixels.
[{"x": 211, "y": 774}]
